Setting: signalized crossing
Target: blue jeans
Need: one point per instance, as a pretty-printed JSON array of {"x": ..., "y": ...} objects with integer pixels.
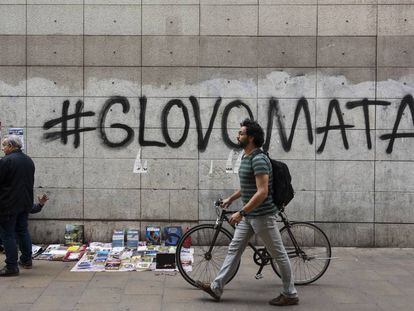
[
  {"x": 266, "y": 228},
  {"x": 10, "y": 228}
]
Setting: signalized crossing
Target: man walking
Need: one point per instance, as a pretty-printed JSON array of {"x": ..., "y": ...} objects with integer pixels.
[
  {"x": 258, "y": 216},
  {"x": 16, "y": 200}
]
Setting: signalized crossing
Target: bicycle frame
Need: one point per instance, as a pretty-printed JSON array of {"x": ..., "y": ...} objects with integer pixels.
[{"x": 286, "y": 222}]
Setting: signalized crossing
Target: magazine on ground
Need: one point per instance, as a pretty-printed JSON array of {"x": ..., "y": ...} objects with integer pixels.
[
  {"x": 100, "y": 258},
  {"x": 165, "y": 262},
  {"x": 53, "y": 252},
  {"x": 73, "y": 234},
  {"x": 127, "y": 265},
  {"x": 118, "y": 238},
  {"x": 172, "y": 234},
  {"x": 187, "y": 259},
  {"x": 116, "y": 252},
  {"x": 112, "y": 264},
  {"x": 74, "y": 253},
  {"x": 86, "y": 264},
  {"x": 132, "y": 238},
  {"x": 153, "y": 235},
  {"x": 36, "y": 250},
  {"x": 99, "y": 246}
]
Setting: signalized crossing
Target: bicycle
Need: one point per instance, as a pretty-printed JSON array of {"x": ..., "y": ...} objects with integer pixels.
[{"x": 307, "y": 246}]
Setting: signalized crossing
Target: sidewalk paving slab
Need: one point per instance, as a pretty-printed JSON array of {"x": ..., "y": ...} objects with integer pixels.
[{"x": 357, "y": 279}]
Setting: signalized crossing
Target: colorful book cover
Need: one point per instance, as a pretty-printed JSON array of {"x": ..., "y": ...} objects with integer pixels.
[
  {"x": 112, "y": 264},
  {"x": 118, "y": 238},
  {"x": 53, "y": 252},
  {"x": 99, "y": 246},
  {"x": 126, "y": 254},
  {"x": 187, "y": 260},
  {"x": 172, "y": 235},
  {"x": 116, "y": 252},
  {"x": 86, "y": 264},
  {"x": 73, "y": 234},
  {"x": 132, "y": 238},
  {"x": 153, "y": 235},
  {"x": 100, "y": 258},
  {"x": 127, "y": 265},
  {"x": 75, "y": 253}
]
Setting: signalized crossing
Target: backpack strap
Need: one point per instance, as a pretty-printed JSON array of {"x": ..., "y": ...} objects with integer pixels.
[
  {"x": 260, "y": 151},
  {"x": 256, "y": 152}
]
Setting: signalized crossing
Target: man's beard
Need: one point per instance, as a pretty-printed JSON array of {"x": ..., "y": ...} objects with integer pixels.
[{"x": 242, "y": 144}]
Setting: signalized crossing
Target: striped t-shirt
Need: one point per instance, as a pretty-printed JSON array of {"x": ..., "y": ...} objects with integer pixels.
[{"x": 252, "y": 165}]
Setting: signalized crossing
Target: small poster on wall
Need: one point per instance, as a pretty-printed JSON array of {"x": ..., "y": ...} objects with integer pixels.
[
  {"x": 140, "y": 166},
  {"x": 18, "y": 132}
]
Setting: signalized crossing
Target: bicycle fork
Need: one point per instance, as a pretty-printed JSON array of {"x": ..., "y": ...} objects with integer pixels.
[{"x": 217, "y": 226}]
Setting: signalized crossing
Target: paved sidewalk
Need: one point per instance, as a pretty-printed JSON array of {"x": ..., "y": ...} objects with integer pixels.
[{"x": 360, "y": 279}]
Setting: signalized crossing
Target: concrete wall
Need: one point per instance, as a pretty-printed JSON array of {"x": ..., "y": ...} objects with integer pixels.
[{"x": 105, "y": 60}]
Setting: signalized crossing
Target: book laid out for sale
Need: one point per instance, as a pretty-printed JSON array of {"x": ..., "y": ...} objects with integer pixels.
[
  {"x": 165, "y": 262},
  {"x": 132, "y": 238},
  {"x": 36, "y": 250},
  {"x": 73, "y": 234},
  {"x": 100, "y": 258},
  {"x": 118, "y": 238},
  {"x": 153, "y": 235},
  {"x": 172, "y": 234}
]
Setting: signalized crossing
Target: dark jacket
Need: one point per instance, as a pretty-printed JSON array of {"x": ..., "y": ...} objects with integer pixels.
[
  {"x": 37, "y": 208},
  {"x": 16, "y": 183}
]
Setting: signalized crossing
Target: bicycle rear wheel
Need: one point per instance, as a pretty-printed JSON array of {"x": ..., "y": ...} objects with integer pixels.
[
  {"x": 204, "y": 264},
  {"x": 311, "y": 257}
]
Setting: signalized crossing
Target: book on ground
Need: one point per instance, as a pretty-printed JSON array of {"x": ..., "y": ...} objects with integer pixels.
[
  {"x": 132, "y": 238},
  {"x": 153, "y": 235},
  {"x": 172, "y": 235},
  {"x": 165, "y": 261},
  {"x": 118, "y": 238},
  {"x": 73, "y": 234}
]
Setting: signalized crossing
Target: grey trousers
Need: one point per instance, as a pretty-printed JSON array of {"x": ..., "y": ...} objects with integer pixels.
[{"x": 266, "y": 228}]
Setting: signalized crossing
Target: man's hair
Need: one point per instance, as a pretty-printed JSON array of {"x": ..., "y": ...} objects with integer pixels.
[
  {"x": 13, "y": 140},
  {"x": 254, "y": 130}
]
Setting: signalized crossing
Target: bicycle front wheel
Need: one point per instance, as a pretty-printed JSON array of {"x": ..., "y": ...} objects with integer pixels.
[
  {"x": 309, "y": 251},
  {"x": 208, "y": 253}
]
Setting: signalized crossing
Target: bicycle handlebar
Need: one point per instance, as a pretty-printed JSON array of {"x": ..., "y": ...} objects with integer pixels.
[
  {"x": 218, "y": 202},
  {"x": 217, "y": 205}
]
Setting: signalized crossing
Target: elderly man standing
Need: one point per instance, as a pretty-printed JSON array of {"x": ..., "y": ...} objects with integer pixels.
[{"x": 16, "y": 200}]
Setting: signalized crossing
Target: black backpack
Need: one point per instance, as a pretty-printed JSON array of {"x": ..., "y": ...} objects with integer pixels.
[{"x": 282, "y": 190}]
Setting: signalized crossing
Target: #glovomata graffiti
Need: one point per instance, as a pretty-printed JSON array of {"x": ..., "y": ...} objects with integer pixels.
[
  {"x": 273, "y": 113},
  {"x": 187, "y": 109}
]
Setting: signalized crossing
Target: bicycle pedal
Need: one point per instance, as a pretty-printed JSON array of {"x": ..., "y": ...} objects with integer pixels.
[{"x": 258, "y": 276}]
